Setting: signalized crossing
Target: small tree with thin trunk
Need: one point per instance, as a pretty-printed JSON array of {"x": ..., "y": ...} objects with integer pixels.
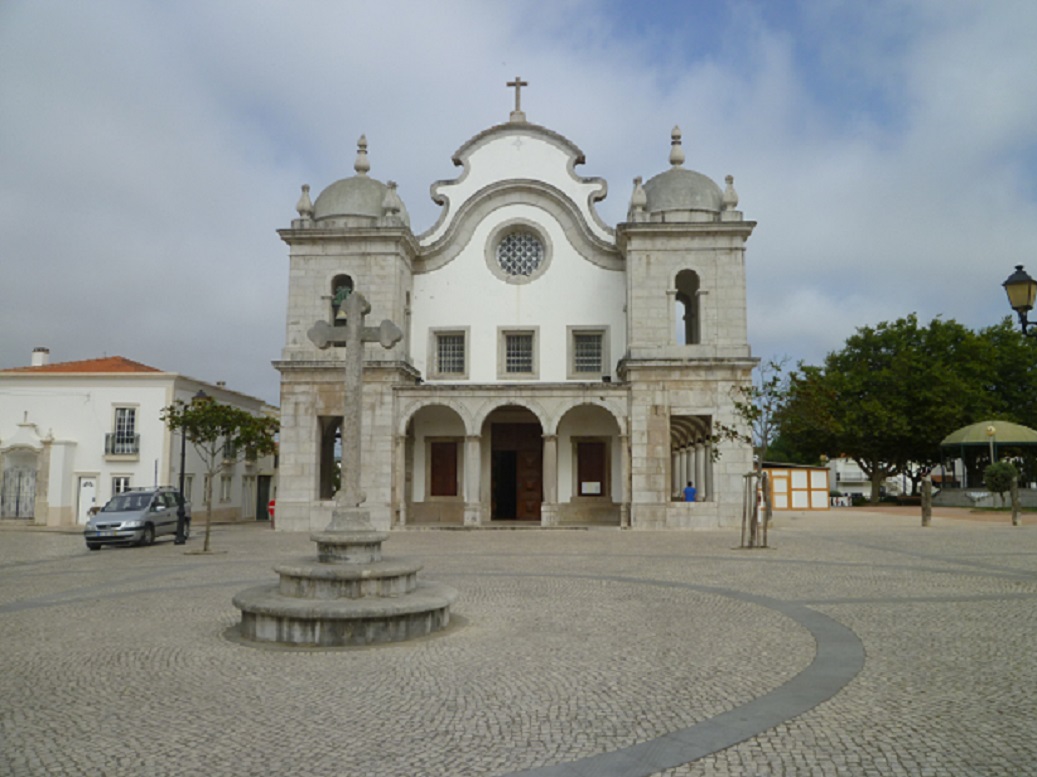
[
  {"x": 757, "y": 408},
  {"x": 221, "y": 435},
  {"x": 998, "y": 478}
]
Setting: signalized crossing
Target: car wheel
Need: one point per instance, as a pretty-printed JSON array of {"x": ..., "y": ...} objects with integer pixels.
[
  {"x": 149, "y": 535},
  {"x": 94, "y": 545}
]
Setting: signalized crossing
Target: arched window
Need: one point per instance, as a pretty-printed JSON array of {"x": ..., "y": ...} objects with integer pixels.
[
  {"x": 689, "y": 331},
  {"x": 341, "y": 287}
]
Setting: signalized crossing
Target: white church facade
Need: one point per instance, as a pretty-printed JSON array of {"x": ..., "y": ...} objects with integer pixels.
[{"x": 553, "y": 369}]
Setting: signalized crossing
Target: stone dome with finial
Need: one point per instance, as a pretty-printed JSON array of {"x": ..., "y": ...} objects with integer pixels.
[
  {"x": 681, "y": 195},
  {"x": 359, "y": 200}
]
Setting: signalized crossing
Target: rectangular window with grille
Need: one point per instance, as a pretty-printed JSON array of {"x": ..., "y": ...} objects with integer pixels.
[
  {"x": 518, "y": 354},
  {"x": 588, "y": 353},
  {"x": 450, "y": 353}
]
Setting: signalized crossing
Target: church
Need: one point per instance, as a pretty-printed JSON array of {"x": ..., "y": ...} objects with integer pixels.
[{"x": 553, "y": 369}]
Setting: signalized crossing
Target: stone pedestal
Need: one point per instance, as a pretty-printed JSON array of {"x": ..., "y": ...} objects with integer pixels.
[{"x": 350, "y": 596}]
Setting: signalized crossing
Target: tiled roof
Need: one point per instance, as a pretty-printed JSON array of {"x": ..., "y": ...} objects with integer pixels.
[{"x": 107, "y": 364}]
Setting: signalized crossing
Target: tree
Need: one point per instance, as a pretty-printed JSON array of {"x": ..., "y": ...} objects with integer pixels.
[
  {"x": 221, "y": 435},
  {"x": 757, "y": 408},
  {"x": 888, "y": 397},
  {"x": 998, "y": 477}
]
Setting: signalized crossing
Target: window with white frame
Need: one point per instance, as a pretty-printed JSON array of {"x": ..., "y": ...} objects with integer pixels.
[
  {"x": 449, "y": 357},
  {"x": 225, "y": 483},
  {"x": 120, "y": 483},
  {"x": 517, "y": 353},
  {"x": 123, "y": 439},
  {"x": 588, "y": 353}
]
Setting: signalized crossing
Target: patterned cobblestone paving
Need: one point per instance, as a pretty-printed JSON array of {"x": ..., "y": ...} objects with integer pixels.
[{"x": 573, "y": 652}]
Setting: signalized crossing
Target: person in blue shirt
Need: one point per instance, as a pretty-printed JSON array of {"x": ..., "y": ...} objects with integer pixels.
[{"x": 689, "y": 493}]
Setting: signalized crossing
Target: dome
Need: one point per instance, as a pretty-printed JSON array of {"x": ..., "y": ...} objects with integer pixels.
[
  {"x": 359, "y": 200},
  {"x": 354, "y": 196},
  {"x": 680, "y": 189},
  {"x": 680, "y": 195}
]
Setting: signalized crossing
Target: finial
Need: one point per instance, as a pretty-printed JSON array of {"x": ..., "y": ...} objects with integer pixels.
[
  {"x": 638, "y": 201},
  {"x": 361, "y": 165},
  {"x": 304, "y": 205},
  {"x": 391, "y": 204},
  {"x": 730, "y": 199},
  {"x": 518, "y": 115},
  {"x": 676, "y": 152}
]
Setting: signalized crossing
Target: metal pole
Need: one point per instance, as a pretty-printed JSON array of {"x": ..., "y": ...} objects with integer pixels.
[{"x": 181, "y": 517}]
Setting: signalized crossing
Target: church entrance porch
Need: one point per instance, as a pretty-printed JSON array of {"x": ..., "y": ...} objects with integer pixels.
[{"x": 516, "y": 471}]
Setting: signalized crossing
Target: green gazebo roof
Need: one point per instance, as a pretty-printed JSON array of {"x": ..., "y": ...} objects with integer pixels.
[{"x": 1005, "y": 433}]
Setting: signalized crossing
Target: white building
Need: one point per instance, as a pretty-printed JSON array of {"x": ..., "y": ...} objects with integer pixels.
[
  {"x": 73, "y": 434},
  {"x": 847, "y": 477},
  {"x": 553, "y": 369}
]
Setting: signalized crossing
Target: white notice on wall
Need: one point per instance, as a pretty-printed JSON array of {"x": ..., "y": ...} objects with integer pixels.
[{"x": 590, "y": 488}]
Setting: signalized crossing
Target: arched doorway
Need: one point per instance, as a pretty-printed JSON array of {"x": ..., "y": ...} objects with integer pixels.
[
  {"x": 516, "y": 464},
  {"x": 590, "y": 481},
  {"x": 435, "y": 465}
]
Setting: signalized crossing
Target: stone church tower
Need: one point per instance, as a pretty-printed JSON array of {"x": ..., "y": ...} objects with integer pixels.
[{"x": 553, "y": 369}]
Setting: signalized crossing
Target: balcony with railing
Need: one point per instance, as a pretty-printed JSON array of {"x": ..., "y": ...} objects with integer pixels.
[{"x": 123, "y": 446}]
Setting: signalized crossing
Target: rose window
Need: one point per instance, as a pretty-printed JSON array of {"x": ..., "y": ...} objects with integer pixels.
[{"x": 520, "y": 253}]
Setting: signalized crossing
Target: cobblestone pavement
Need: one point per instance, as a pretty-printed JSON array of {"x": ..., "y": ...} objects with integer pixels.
[{"x": 859, "y": 644}]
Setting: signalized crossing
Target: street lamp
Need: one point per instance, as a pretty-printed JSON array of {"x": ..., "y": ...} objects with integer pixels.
[
  {"x": 181, "y": 516},
  {"x": 1022, "y": 291}
]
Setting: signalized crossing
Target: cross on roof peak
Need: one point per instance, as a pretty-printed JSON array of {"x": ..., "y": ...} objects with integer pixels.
[{"x": 518, "y": 83}]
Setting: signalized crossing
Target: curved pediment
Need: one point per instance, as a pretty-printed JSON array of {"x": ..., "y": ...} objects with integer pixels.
[
  {"x": 517, "y": 152},
  {"x": 481, "y": 205}
]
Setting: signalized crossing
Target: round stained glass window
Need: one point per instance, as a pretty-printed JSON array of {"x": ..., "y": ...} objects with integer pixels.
[{"x": 520, "y": 253}]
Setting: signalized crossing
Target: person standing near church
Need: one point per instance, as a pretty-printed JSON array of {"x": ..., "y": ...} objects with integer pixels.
[{"x": 689, "y": 492}]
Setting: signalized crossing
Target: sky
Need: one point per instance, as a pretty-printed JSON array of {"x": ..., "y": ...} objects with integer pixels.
[{"x": 149, "y": 151}]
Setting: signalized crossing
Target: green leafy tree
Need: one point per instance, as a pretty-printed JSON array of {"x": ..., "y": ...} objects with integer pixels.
[
  {"x": 221, "y": 435},
  {"x": 888, "y": 397},
  {"x": 998, "y": 477},
  {"x": 1009, "y": 374}
]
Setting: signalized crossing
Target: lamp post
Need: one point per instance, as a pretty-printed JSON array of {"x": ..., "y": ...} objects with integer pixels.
[
  {"x": 181, "y": 516},
  {"x": 1022, "y": 292}
]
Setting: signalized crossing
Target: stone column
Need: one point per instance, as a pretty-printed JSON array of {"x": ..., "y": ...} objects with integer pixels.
[
  {"x": 624, "y": 476},
  {"x": 708, "y": 484},
  {"x": 676, "y": 473},
  {"x": 399, "y": 480},
  {"x": 549, "y": 507},
  {"x": 671, "y": 313},
  {"x": 700, "y": 469},
  {"x": 472, "y": 471}
]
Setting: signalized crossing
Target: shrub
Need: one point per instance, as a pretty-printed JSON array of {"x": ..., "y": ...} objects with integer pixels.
[{"x": 998, "y": 478}]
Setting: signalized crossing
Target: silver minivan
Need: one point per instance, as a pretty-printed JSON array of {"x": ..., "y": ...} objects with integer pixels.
[{"x": 136, "y": 517}]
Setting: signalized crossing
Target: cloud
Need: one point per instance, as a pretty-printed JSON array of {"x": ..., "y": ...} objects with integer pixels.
[{"x": 151, "y": 150}]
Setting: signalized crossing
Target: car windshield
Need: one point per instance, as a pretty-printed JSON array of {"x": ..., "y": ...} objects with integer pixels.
[{"x": 124, "y": 503}]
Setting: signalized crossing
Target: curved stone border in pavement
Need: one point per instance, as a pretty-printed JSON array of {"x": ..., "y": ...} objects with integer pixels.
[{"x": 839, "y": 657}]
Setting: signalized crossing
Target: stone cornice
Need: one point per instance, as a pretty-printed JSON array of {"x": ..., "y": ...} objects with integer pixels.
[
  {"x": 350, "y": 234},
  {"x": 628, "y": 230}
]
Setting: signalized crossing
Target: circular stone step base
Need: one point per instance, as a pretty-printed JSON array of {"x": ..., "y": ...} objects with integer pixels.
[
  {"x": 266, "y": 616},
  {"x": 386, "y": 578},
  {"x": 353, "y": 547}
]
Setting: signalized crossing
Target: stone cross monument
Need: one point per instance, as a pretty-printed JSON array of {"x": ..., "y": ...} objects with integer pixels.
[
  {"x": 347, "y": 515},
  {"x": 352, "y": 596}
]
